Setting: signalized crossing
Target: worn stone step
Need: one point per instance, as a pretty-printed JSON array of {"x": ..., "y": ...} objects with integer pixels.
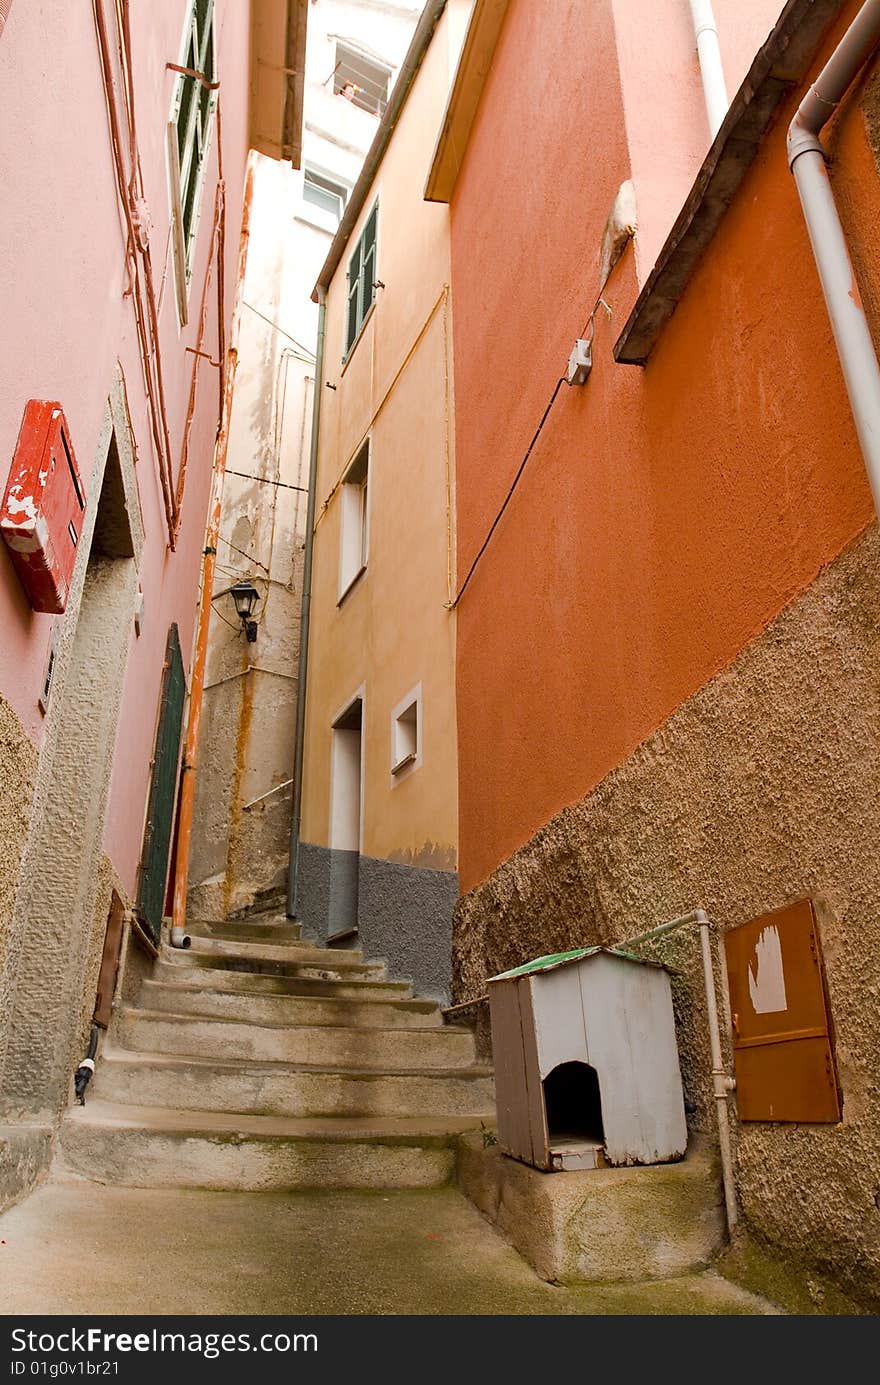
[
  {"x": 270, "y": 983},
  {"x": 149, "y": 1031},
  {"x": 241, "y": 949},
  {"x": 155, "y": 1147},
  {"x": 273, "y": 929},
  {"x": 193, "y": 999},
  {"x": 319, "y": 964},
  {"x": 198, "y": 1084}
]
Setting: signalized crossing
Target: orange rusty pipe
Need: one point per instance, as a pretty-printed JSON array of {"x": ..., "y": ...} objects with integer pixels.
[
  {"x": 131, "y": 255},
  {"x": 199, "y": 354},
  {"x": 191, "y": 748}
]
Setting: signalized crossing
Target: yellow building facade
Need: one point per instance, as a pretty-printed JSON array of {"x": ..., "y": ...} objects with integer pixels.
[{"x": 377, "y": 850}]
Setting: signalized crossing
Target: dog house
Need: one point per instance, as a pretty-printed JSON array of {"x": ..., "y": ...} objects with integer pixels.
[{"x": 586, "y": 1061}]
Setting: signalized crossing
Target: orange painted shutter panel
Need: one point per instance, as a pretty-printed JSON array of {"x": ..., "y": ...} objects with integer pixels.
[{"x": 782, "y": 1032}]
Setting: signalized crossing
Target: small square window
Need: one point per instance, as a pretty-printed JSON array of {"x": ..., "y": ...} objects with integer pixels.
[
  {"x": 406, "y": 732},
  {"x": 354, "y": 520}
]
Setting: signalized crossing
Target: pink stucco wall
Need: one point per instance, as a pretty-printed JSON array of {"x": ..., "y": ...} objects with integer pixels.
[{"x": 66, "y": 323}]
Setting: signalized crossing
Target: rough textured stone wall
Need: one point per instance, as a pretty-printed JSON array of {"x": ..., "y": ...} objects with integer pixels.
[
  {"x": 759, "y": 790},
  {"x": 18, "y": 769}
]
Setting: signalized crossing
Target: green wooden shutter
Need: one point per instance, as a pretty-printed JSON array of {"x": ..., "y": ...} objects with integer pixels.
[
  {"x": 354, "y": 281},
  {"x": 193, "y": 110},
  {"x": 160, "y": 815}
]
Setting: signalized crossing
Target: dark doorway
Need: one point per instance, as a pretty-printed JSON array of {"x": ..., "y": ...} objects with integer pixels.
[
  {"x": 573, "y": 1103},
  {"x": 160, "y": 814},
  {"x": 345, "y": 823}
]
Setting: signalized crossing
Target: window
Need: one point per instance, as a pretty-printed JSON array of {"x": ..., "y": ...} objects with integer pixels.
[
  {"x": 361, "y": 280},
  {"x": 354, "y": 521},
  {"x": 325, "y": 193},
  {"x": 360, "y": 78},
  {"x": 406, "y": 732},
  {"x": 189, "y": 134}
]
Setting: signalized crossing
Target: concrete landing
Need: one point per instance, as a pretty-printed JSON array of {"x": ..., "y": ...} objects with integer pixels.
[
  {"x": 83, "y": 1249},
  {"x": 637, "y": 1223}
]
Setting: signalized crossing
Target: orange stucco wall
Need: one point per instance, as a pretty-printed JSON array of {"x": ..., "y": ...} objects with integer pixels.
[{"x": 666, "y": 514}]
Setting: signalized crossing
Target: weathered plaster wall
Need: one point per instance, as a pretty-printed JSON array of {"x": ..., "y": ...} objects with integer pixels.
[
  {"x": 247, "y": 744},
  {"x": 760, "y": 789},
  {"x": 70, "y": 320},
  {"x": 45, "y": 974}
]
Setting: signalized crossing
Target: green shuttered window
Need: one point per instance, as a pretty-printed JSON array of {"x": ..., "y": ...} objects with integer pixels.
[
  {"x": 361, "y": 280},
  {"x": 192, "y": 116}
]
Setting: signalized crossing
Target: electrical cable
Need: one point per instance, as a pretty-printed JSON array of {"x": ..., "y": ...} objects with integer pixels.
[
  {"x": 267, "y": 481},
  {"x": 451, "y": 605},
  {"x": 590, "y": 322},
  {"x": 309, "y": 356},
  {"x": 242, "y": 554}
]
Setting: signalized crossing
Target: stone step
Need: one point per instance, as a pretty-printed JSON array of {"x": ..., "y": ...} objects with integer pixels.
[
  {"x": 246, "y": 951},
  {"x": 194, "y": 999},
  {"x": 197, "y": 1084},
  {"x": 155, "y": 1147},
  {"x": 274, "y": 929},
  {"x": 268, "y": 983},
  {"x": 318, "y": 964},
  {"x": 374, "y": 1049}
]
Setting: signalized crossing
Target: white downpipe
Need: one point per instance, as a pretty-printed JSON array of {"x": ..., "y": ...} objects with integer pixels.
[
  {"x": 807, "y": 160},
  {"x": 711, "y": 70},
  {"x": 722, "y": 1084}
]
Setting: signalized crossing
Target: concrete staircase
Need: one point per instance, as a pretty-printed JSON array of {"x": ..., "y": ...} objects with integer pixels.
[{"x": 258, "y": 1061}]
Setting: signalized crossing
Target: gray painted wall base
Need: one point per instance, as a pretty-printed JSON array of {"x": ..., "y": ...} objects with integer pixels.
[{"x": 404, "y": 913}]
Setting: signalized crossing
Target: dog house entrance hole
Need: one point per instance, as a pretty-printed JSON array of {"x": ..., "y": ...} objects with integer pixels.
[{"x": 573, "y": 1105}]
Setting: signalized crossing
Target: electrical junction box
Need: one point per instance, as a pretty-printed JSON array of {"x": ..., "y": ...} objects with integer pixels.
[
  {"x": 580, "y": 363},
  {"x": 41, "y": 516}
]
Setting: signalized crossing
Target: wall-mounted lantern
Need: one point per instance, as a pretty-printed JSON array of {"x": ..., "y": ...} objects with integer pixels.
[{"x": 246, "y": 596}]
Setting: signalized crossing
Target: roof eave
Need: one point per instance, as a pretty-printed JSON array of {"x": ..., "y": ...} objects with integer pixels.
[
  {"x": 277, "y": 81},
  {"x": 780, "y": 65},
  {"x": 474, "y": 65}
]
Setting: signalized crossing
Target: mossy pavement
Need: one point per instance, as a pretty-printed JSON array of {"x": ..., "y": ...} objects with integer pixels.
[{"x": 86, "y": 1248}]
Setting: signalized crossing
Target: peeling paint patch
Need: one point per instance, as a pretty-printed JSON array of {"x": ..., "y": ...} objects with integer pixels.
[{"x": 431, "y": 856}]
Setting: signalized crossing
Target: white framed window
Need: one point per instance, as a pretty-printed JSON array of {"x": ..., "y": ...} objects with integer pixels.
[
  {"x": 406, "y": 734},
  {"x": 324, "y": 198},
  {"x": 189, "y": 136},
  {"x": 354, "y": 523},
  {"x": 361, "y": 77}
]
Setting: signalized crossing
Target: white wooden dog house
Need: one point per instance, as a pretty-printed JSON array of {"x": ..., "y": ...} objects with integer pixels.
[{"x": 586, "y": 1061}]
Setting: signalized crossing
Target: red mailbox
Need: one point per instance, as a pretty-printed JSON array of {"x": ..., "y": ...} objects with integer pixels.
[{"x": 41, "y": 518}]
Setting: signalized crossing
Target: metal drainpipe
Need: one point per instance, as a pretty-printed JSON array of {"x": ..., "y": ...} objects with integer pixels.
[
  {"x": 293, "y": 871},
  {"x": 807, "y": 161},
  {"x": 722, "y": 1084},
  {"x": 711, "y": 70}
]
